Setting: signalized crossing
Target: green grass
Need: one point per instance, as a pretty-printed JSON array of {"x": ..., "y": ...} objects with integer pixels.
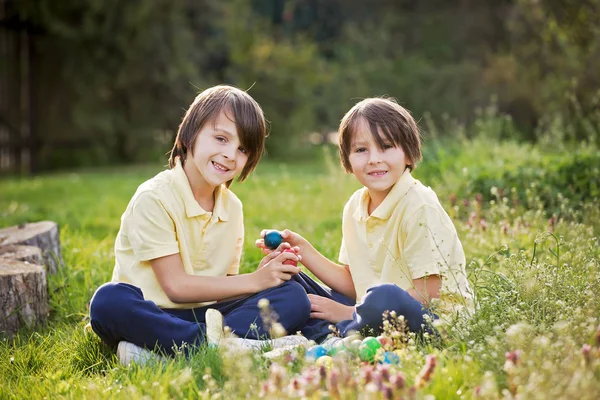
[{"x": 537, "y": 283}]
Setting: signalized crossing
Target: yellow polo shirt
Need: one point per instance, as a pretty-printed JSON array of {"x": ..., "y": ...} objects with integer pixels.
[
  {"x": 164, "y": 218},
  {"x": 408, "y": 236}
]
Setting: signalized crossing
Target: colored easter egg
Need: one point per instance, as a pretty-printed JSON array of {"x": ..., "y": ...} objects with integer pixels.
[
  {"x": 389, "y": 357},
  {"x": 371, "y": 342},
  {"x": 290, "y": 262},
  {"x": 273, "y": 239},
  {"x": 324, "y": 361},
  {"x": 315, "y": 352},
  {"x": 366, "y": 353}
]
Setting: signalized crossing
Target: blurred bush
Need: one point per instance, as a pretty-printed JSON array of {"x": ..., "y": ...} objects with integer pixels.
[{"x": 109, "y": 74}]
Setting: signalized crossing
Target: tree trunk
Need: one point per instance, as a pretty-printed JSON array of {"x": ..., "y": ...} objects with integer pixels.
[
  {"x": 44, "y": 235},
  {"x": 23, "y": 296},
  {"x": 29, "y": 254}
]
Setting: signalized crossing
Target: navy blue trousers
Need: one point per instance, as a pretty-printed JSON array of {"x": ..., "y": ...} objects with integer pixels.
[
  {"x": 118, "y": 311},
  {"x": 369, "y": 311}
]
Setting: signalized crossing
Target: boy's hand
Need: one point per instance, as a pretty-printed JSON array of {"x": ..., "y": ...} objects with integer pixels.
[
  {"x": 294, "y": 240},
  {"x": 274, "y": 253},
  {"x": 273, "y": 272},
  {"x": 329, "y": 310}
]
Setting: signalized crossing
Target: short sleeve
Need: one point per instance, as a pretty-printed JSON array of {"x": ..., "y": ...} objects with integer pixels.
[
  {"x": 234, "y": 268},
  {"x": 343, "y": 258},
  {"x": 150, "y": 228},
  {"x": 427, "y": 245}
]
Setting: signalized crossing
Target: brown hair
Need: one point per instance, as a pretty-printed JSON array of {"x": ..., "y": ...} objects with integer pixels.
[
  {"x": 249, "y": 121},
  {"x": 394, "y": 121}
]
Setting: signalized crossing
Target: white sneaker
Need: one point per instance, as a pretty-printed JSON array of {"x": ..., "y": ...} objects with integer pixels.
[
  {"x": 253, "y": 344},
  {"x": 214, "y": 326},
  {"x": 215, "y": 336},
  {"x": 128, "y": 352}
]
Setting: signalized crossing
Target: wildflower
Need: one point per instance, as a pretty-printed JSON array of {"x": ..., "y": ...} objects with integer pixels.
[
  {"x": 332, "y": 383},
  {"x": 367, "y": 374},
  {"x": 483, "y": 223},
  {"x": 371, "y": 388},
  {"x": 263, "y": 304},
  {"x": 384, "y": 371},
  {"x": 388, "y": 393},
  {"x": 453, "y": 199},
  {"x": 586, "y": 351},
  {"x": 551, "y": 223},
  {"x": 505, "y": 226},
  {"x": 398, "y": 381},
  {"x": 278, "y": 330},
  {"x": 512, "y": 359},
  {"x": 425, "y": 375},
  {"x": 278, "y": 374}
]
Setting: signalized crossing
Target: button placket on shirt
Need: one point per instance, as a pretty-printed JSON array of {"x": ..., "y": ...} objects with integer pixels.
[
  {"x": 371, "y": 225},
  {"x": 206, "y": 222}
]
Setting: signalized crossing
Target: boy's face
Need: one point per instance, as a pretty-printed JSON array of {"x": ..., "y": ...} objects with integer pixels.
[
  {"x": 377, "y": 169},
  {"x": 218, "y": 155}
]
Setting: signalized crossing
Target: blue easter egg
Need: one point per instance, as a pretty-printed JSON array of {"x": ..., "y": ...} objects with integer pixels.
[
  {"x": 389, "y": 357},
  {"x": 315, "y": 352},
  {"x": 273, "y": 239}
]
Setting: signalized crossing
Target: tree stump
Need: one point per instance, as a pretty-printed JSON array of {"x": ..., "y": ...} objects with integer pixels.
[
  {"x": 30, "y": 254},
  {"x": 23, "y": 296},
  {"x": 44, "y": 235}
]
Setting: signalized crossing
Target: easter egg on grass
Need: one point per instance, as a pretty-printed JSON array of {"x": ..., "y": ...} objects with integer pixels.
[
  {"x": 324, "y": 361},
  {"x": 273, "y": 239},
  {"x": 315, "y": 352},
  {"x": 368, "y": 349},
  {"x": 371, "y": 342},
  {"x": 389, "y": 357},
  {"x": 290, "y": 262},
  {"x": 366, "y": 353}
]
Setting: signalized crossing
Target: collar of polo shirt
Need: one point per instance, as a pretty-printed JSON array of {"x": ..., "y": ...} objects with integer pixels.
[
  {"x": 192, "y": 208},
  {"x": 386, "y": 208}
]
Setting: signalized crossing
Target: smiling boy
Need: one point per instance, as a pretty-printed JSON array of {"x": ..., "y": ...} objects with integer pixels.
[{"x": 400, "y": 250}]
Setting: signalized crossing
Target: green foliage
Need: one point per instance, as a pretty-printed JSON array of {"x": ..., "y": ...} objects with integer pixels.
[
  {"x": 112, "y": 78},
  {"x": 548, "y": 183}
]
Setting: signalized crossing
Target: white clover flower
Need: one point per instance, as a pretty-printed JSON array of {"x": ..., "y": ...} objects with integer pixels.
[
  {"x": 263, "y": 303},
  {"x": 278, "y": 330}
]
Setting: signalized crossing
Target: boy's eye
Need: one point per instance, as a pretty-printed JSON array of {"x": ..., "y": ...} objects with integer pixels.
[
  {"x": 360, "y": 150},
  {"x": 388, "y": 146},
  {"x": 221, "y": 139},
  {"x": 242, "y": 150}
]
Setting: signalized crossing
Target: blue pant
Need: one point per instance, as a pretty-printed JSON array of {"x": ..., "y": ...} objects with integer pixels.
[
  {"x": 119, "y": 312},
  {"x": 369, "y": 312}
]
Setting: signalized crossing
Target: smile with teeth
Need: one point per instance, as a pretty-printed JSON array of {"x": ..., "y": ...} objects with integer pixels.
[
  {"x": 220, "y": 167},
  {"x": 377, "y": 173}
]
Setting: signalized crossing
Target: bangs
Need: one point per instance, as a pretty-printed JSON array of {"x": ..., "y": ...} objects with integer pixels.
[
  {"x": 249, "y": 122},
  {"x": 383, "y": 136}
]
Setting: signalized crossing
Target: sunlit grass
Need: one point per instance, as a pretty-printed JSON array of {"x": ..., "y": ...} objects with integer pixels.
[{"x": 537, "y": 279}]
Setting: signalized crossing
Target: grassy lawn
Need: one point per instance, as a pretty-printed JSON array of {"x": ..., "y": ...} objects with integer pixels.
[{"x": 533, "y": 257}]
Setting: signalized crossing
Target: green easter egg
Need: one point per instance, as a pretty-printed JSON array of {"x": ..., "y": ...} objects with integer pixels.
[
  {"x": 371, "y": 343},
  {"x": 366, "y": 353}
]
